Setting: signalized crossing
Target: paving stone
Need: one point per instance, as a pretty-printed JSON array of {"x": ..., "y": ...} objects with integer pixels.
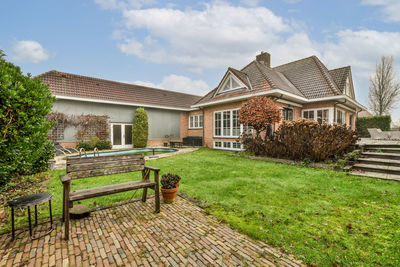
[{"x": 132, "y": 235}]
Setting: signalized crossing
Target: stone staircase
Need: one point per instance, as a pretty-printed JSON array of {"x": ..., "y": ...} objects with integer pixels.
[{"x": 378, "y": 161}]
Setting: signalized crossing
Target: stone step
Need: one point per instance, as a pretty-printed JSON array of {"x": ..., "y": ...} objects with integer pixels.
[
  {"x": 384, "y": 149},
  {"x": 378, "y": 175},
  {"x": 379, "y": 161},
  {"x": 382, "y": 155},
  {"x": 377, "y": 168},
  {"x": 387, "y": 145}
]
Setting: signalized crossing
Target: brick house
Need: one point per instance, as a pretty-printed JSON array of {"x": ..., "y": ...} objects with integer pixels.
[{"x": 302, "y": 89}]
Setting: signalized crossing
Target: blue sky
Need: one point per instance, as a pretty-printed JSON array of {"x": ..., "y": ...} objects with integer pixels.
[{"x": 187, "y": 45}]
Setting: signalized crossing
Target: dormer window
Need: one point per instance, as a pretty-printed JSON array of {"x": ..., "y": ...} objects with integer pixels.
[{"x": 231, "y": 83}]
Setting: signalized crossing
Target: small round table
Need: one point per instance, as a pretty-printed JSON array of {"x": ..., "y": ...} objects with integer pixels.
[{"x": 28, "y": 201}]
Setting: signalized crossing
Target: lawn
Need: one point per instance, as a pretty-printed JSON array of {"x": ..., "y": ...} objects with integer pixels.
[{"x": 321, "y": 216}]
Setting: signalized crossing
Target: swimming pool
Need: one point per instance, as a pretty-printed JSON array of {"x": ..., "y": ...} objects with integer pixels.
[{"x": 130, "y": 151}]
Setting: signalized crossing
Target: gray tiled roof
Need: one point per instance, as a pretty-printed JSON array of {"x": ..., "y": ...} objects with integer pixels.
[
  {"x": 340, "y": 76},
  {"x": 310, "y": 77}
]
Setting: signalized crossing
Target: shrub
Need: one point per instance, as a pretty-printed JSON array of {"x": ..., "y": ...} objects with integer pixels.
[
  {"x": 85, "y": 146},
  {"x": 24, "y": 104},
  {"x": 93, "y": 141},
  {"x": 308, "y": 139},
  {"x": 169, "y": 181},
  {"x": 103, "y": 144},
  {"x": 380, "y": 122},
  {"x": 140, "y": 131},
  {"x": 259, "y": 112}
]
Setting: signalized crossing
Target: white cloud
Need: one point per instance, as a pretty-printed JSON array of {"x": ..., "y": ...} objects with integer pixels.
[
  {"x": 390, "y": 8},
  {"x": 29, "y": 51},
  {"x": 179, "y": 83},
  {"x": 216, "y": 36}
]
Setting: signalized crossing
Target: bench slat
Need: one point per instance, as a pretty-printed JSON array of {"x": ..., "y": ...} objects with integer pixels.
[
  {"x": 92, "y": 173},
  {"x": 109, "y": 189},
  {"x": 102, "y": 165},
  {"x": 104, "y": 158}
]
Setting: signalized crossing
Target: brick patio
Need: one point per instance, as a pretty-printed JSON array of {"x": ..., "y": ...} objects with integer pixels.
[{"x": 131, "y": 234}]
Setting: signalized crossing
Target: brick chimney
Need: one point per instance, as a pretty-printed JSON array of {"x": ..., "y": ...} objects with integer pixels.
[{"x": 264, "y": 58}]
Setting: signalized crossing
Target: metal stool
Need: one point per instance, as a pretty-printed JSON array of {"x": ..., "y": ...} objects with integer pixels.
[{"x": 28, "y": 201}]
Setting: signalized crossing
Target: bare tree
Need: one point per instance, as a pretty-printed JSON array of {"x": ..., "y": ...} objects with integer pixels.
[{"x": 384, "y": 89}]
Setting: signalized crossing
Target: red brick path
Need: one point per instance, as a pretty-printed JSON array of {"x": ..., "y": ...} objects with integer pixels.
[{"x": 131, "y": 234}]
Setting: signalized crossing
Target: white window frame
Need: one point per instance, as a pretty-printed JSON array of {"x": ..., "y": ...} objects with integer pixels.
[
  {"x": 330, "y": 117},
  {"x": 193, "y": 118},
  {"x": 222, "y": 124},
  {"x": 344, "y": 115},
  {"x": 122, "y": 145},
  {"x": 226, "y": 148},
  {"x": 283, "y": 109},
  {"x": 227, "y": 79}
]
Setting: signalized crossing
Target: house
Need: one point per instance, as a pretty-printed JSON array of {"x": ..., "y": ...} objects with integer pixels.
[
  {"x": 76, "y": 95},
  {"x": 302, "y": 89}
]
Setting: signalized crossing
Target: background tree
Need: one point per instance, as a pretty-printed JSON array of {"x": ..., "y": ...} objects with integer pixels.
[
  {"x": 384, "y": 89},
  {"x": 140, "y": 131},
  {"x": 24, "y": 103},
  {"x": 2, "y": 54},
  {"x": 259, "y": 112}
]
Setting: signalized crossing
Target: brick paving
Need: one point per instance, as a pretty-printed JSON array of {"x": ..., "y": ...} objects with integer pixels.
[{"x": 132, "y": 235}]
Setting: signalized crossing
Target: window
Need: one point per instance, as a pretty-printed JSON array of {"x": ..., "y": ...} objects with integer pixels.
[
  {"x": 196, "y": 122},
  {"x": 322, "y": 115},
  {"x": 351, "y": 118},
  {"x": 308, "y": 114},
  {"x": 287, "y": 114},
  {"x": 230, "y": 84},
  {"x": 226, "y": 123},
  {"x": 340, "y": 116},
  {"x": 218, "y": 124},
  {"x": 57, "y": 133},
  {"x": 227, "y": 145}
]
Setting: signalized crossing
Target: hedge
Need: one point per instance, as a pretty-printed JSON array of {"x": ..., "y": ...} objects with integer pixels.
[
  {"x": 140, "y": 131},
  {"x": 24, "y": 103},
  {"x": 380, "y": 122}
]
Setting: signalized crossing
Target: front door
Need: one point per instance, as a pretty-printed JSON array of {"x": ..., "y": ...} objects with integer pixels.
[{"x": 121, "y": 135}]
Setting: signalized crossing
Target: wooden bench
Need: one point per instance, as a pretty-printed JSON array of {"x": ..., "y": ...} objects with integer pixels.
[{"x": 78, "y": 168}]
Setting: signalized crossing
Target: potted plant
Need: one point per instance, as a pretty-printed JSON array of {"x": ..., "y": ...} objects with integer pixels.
[
  {"x": 168, "y": 137},
  {"x": 169, "y": 186}
]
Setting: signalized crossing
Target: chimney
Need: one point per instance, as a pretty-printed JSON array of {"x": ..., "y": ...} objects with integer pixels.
[{"x": 264, "y": 58}]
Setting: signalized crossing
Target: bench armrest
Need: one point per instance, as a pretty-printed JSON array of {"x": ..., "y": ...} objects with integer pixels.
[
  {"x": 152, "y": 168},
  {"x": 65, "y": 178}
]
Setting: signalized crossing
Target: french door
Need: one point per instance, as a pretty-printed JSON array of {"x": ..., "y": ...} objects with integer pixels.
[{"x": 121, "y": 135}]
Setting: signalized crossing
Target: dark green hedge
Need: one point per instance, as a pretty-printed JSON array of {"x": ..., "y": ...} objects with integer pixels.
[
  {"x": 140, "y": 131},
  {"x": 24, "y": 103},
  {"x": 380, "y": 122}
]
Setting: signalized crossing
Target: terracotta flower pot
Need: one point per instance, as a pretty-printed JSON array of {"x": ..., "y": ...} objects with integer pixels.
[
  {"x": 177, "y": 185},
  {"x": 169, "y": 194}
]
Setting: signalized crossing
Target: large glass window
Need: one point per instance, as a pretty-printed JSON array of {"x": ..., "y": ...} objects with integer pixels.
[
  {"x": 322, "y": 115},
  {"x": 226, "y": 123},
  {"x": 287, "y": 114},
  {"x": 351, "y": 118},
  {"x": 218, "y": 124},
  {"x": 196, "y": 122},
  {"x": 309, "y": 114},
  {"x": 340, "y": 116}
]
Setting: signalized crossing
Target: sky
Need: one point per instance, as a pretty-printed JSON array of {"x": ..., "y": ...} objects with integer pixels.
[{"x": 187, "y": 46}]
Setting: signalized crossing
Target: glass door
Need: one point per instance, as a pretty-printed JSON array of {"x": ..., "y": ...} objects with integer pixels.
[{"x": 121, "y": 135}]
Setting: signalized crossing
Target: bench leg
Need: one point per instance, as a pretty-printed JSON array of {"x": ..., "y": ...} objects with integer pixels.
[
  {"x": 157, "y": 194},
  {"x": 63, "y": 212},
  {"x": 144, "y": 196},
  {"x": 66, "y": 220}
]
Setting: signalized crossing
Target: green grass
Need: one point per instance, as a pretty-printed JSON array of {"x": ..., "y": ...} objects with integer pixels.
[{"x": 321, "y": 216}]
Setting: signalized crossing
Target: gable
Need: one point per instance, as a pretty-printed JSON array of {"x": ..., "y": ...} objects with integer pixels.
[{"x": 230, "y": 83}]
